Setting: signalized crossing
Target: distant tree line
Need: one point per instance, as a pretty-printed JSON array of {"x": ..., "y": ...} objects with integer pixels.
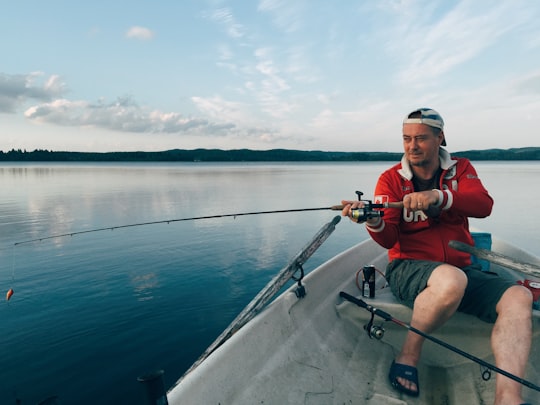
[{"x": 248, "y": 155}]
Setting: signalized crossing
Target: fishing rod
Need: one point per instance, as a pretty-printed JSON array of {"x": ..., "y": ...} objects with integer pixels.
[
  {"x": 361, "y": 214},
  {"x": 369, "y": 210},
  {"x": 387, "y": 317},
  {"x": 168, "y": 221}
]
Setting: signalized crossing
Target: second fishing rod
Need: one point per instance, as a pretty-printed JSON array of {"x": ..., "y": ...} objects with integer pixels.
[{"x": 378, "y": 333}]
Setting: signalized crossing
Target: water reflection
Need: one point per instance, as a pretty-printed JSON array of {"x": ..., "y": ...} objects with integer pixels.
[{"x": 144, "y": 286}]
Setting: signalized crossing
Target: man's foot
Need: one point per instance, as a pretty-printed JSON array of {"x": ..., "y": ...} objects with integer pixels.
[{"x": 404, "y": 378}]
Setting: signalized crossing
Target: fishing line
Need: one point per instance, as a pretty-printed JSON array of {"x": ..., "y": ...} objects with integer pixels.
[
  {"x": 9, "y": 292},
  {"x": 13, "y": 265},
  {"x": 387, "y": 317}
]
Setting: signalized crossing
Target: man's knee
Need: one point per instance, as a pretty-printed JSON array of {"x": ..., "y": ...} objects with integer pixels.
[
  {"x": 448, "y": 282},
  {"x": 448, "y": 277},
  {"x": 515, "y": 298}
]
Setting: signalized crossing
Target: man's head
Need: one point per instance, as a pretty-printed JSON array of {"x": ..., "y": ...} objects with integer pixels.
[
  {"x": 422, "y": 137},
  {"x": 428, "y": 117}
]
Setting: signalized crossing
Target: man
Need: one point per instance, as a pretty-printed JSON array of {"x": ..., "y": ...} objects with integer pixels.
[{"x": 439, "y": 194}]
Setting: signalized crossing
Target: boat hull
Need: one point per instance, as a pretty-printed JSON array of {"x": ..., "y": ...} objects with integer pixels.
[{"x": 315, "y": 351}]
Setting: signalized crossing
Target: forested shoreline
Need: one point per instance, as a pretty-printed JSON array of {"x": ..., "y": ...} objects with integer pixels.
[{"x": 248, "y": 155}]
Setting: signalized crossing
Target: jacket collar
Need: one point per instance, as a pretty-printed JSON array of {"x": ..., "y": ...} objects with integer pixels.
[{"x": 445, "y": 160}]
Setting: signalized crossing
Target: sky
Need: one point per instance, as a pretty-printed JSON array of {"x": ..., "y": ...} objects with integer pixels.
[{"x": 264, "y": 74}]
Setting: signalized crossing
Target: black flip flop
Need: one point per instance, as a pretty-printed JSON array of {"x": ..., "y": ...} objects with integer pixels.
[{"x": 407, "y": 373}]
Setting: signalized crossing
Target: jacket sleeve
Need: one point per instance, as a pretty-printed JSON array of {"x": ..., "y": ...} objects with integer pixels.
[
  {"x": 466, "y": 195},
  {"x": 386, "y": 231}
]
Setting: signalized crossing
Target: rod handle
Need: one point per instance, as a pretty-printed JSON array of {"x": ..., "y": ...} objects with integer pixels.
[{"x": 397, "y": 204}]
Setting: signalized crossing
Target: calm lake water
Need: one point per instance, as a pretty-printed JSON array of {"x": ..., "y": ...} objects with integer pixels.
[{"x": 92, "y": 312}]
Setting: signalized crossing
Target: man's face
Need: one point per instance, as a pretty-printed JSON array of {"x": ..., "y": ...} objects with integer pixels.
[{"x": 421, "y": 146}]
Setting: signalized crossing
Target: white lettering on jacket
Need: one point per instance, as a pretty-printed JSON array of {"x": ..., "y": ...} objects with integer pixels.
[{"x": 414, "y": 216}]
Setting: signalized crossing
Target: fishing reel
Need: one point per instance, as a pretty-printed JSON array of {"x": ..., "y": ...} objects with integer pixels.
[
  {"x": 367, "y": 211},
  {"x": 374, "y": 331}
]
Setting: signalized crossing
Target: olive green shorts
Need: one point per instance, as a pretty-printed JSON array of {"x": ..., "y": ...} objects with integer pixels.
[{"x": 408, "y": 278}]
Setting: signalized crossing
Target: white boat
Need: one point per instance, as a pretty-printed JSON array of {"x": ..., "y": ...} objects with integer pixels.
[{"x": 315, "y": 350}]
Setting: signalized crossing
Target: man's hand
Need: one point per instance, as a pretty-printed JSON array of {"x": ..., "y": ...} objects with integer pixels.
[
  {"x": 421, "y": 201},
  {"x": 427, "y": 201},
  {"x": 350, "y": 206}
]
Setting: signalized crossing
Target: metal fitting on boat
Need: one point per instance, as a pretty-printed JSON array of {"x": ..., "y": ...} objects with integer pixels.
[
  {"x": 154, "y": 387},
  {"x": 368, "y": 281}
]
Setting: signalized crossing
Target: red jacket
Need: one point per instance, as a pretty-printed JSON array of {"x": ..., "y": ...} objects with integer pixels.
[{"x": 414, "y": 235}]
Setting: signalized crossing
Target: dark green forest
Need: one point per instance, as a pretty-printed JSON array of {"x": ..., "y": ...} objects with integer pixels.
[{"x": 248, "y": 155}]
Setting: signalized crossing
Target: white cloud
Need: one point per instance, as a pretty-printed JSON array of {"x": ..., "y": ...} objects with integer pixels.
[
  {"x": 270, "y": 5},
  {"x": 220, "y": 109},
  {"x": 528, "y": 85},
  {"x": 287, "y": 15},
  {"x": 270, "y": 85},
  {"x": 300, "y": 67},
  {"x": 247, "y": 124},
  {"x": 17, "y": 90},
  {"x": 225, "y": 52},
  {"x": 123, "y": 115},
  {"x": 141, "y": 33},
  {"x": 429, "y": 45},
  {"x": 225, "y": 17},
  {"x": 225, "y": 118}
]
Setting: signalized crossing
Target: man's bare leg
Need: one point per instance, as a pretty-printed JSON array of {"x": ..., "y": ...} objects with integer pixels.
[
  {"x": 432, "y": 308},
  {"x": 511, "y": 342}
]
